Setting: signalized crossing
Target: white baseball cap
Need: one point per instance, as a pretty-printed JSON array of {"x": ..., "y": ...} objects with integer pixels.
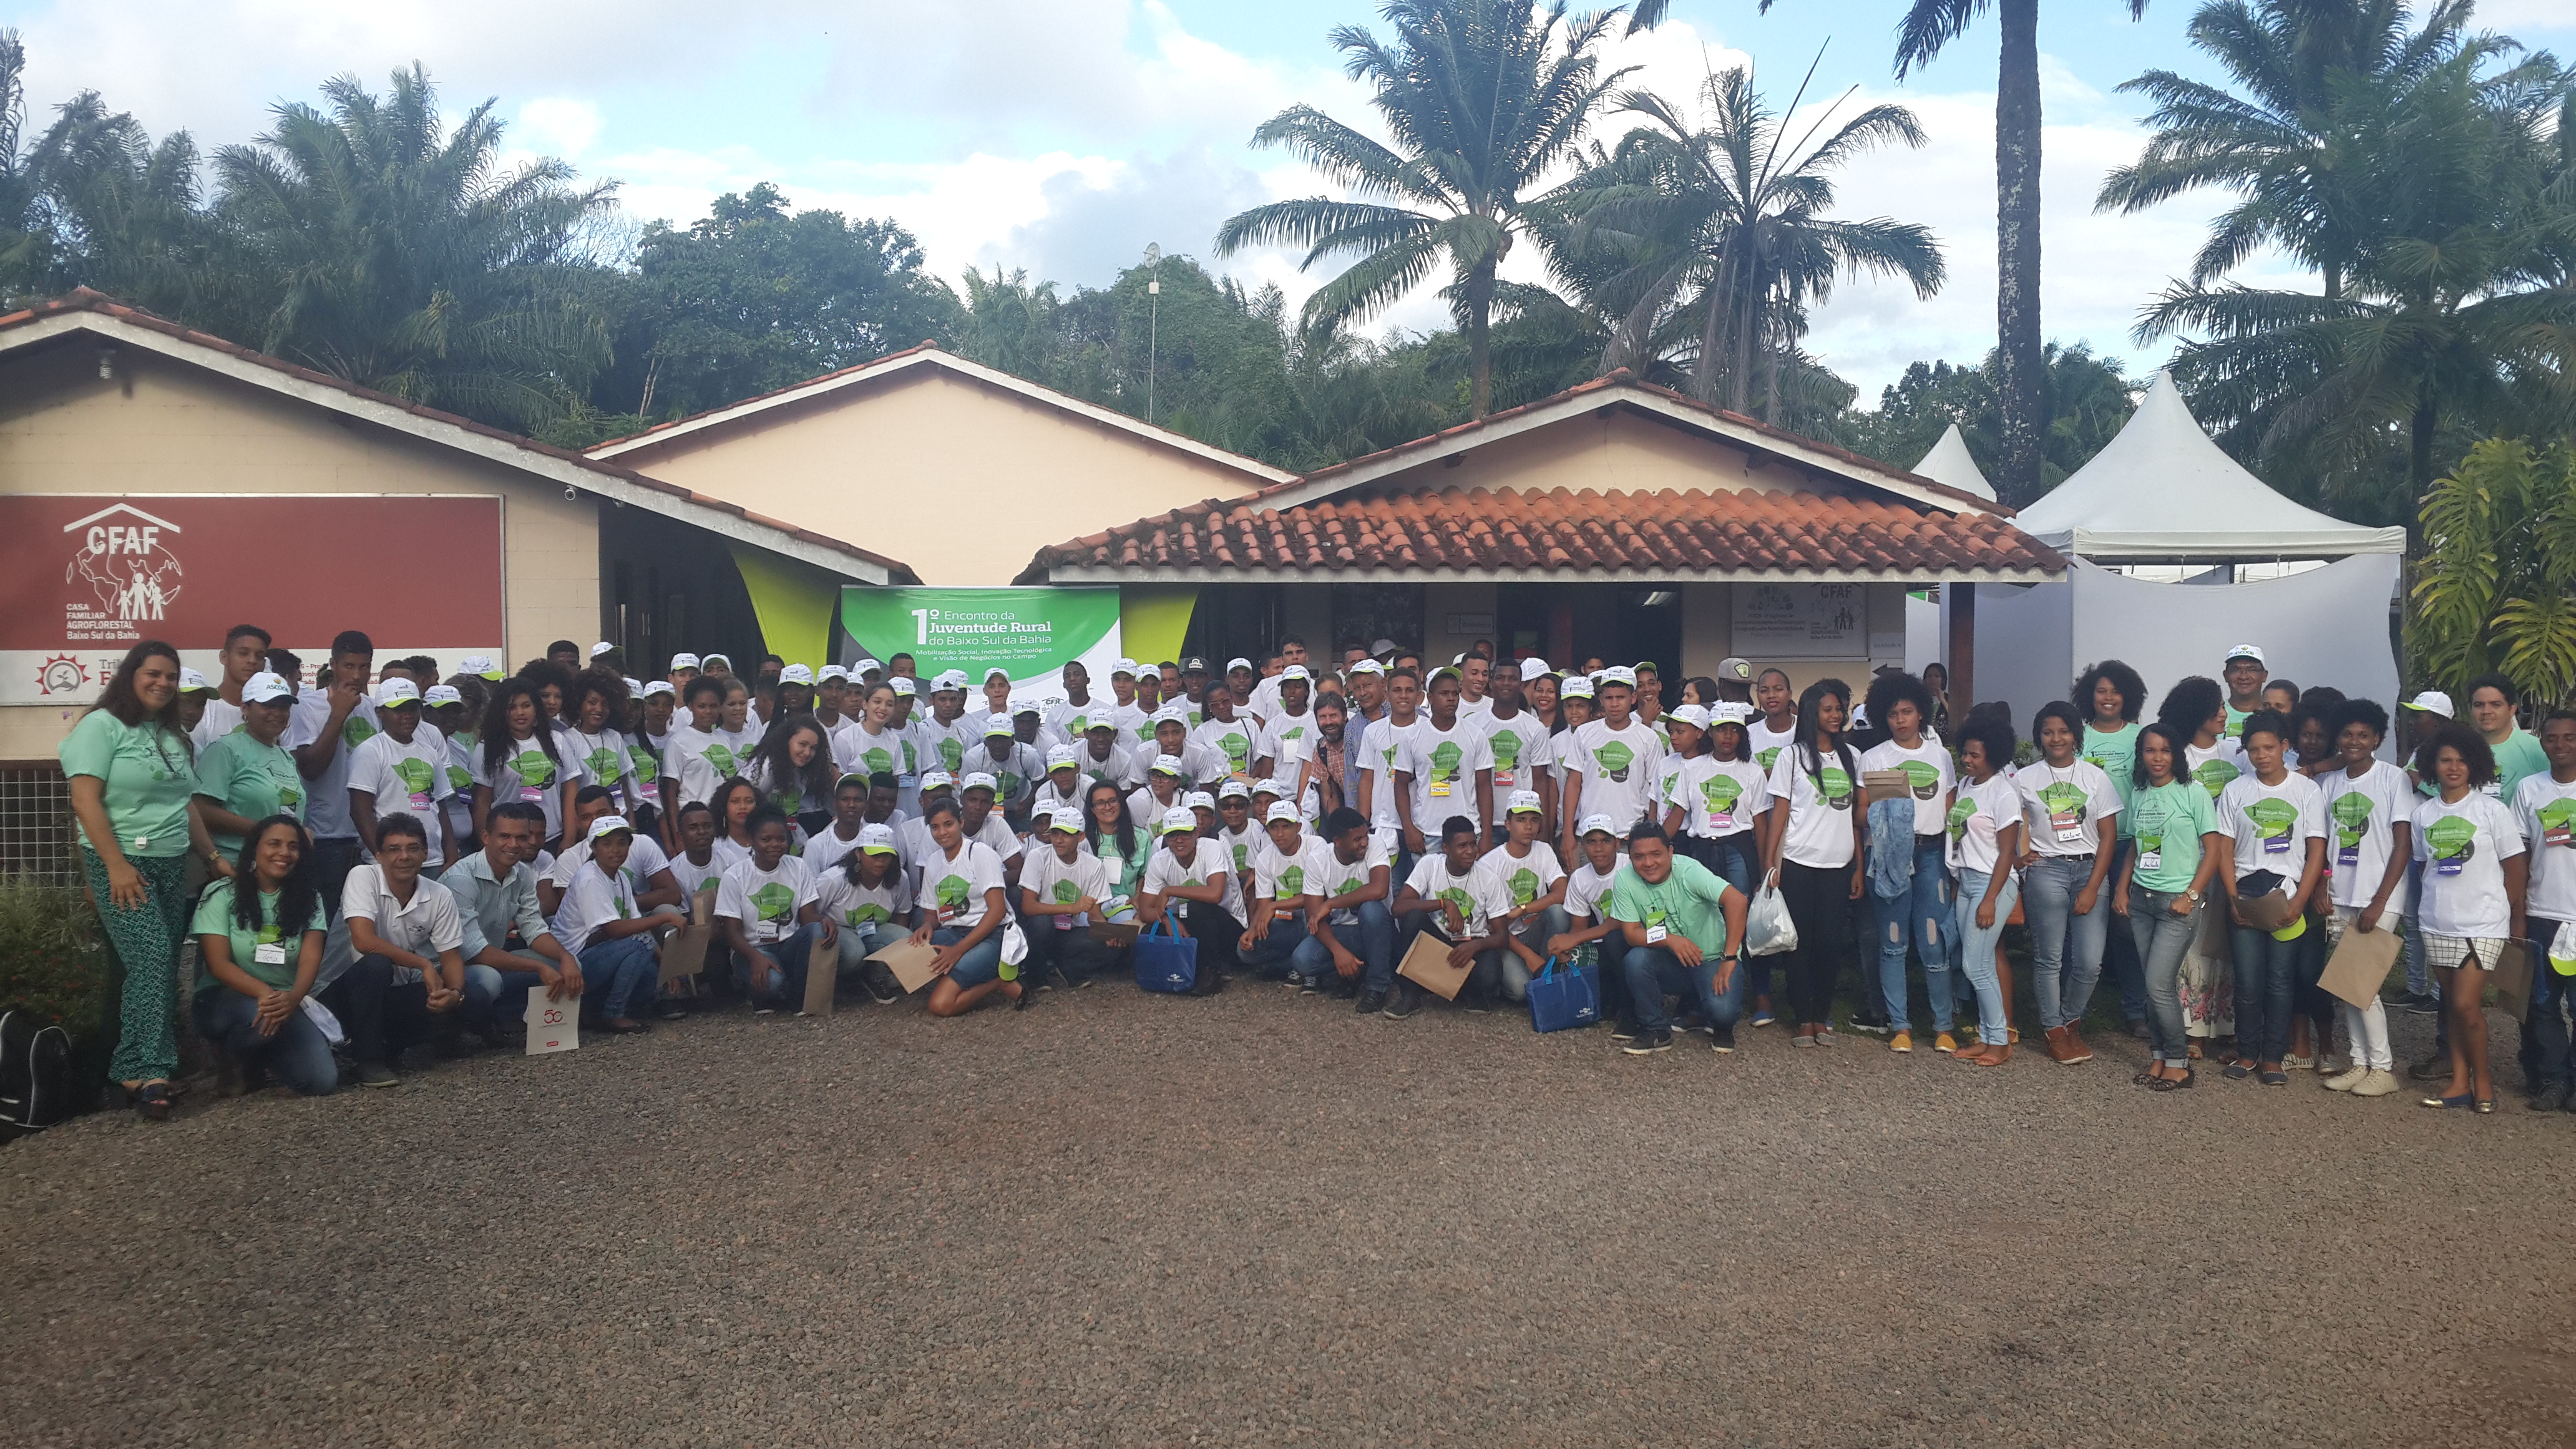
[
  {"x": 795, "y": 674},
  {"x": 678, "y": 661},
  {"x": 1577, "y": 686},
  {"x": 633, "y": 685},
  {"x": 433, "y": 697},
  {"x": 877, "y": 839},
  {"x": 1368, "y": 666},
  {"x": 1268, "y": 786},
  {"x": 1294, "y": 671},
  {"x": 1180, "y": 817},
  {"x": 1689, "y": 714},
  {"x": 266, "y": 688},
  {"x": 953, "y": 679},
  {"x": 903, "y": 688},
  {"x": 828, "y": 671},
  {"x": 1615, "y": 674},
  {"x": 1534, "y": 668},
  {"x": 1234, "y": 789},
  {"x": 1729, "y": 711},
  {"x": 1066, "y": 818},
  {"x": 935, "y": 780},
  {"x": 658, "y": 686},
  {"x": 1284, "y": 810},
  {"x": 1593, "y": 823},
  {"x": 997, "y": 672},
  {"x": 1523, "y": 802},
  {"x": 1062, "y": 757},
  {"x": 1199, "y": 800},
  {"x": 602, "y": 647},
  {"x": 2431, "y": 701},
  {"x": 996, "y": 724},
  {"x": 1123, "y": 666},
  {"x": 713, "y": 656},
  {"x": 1165, "y": 765},
  {"x": 481, "y": 665},
  {"x": 192, "y": 682},
  {"x": 1175, "y": 712},
  {"x": 608, "y": 825},
  {"x": 980, "y": 780},
  {"x": 395, "y": 692},
  {"x": 2244, "y": 651},
  {"x": 1234, "y": 664}
]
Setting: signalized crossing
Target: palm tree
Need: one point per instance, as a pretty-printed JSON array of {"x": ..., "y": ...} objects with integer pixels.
[
  {"x": 1482, "y": 100},
  {"x": 1720, "y": 228},
  {"x": 2022, "y": 386},
  {"x": 400, "y": 255},
  {"x": 2456, "y": 311},
  {"x": 2312, "y": 74}
]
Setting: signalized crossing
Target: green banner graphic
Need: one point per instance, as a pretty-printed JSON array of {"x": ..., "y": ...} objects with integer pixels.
[{"x": 1033, "y": 633}]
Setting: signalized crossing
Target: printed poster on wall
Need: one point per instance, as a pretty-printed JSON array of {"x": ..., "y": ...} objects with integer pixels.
[
  {"x": 85, "y": 577},
  {"x": 1801, "y": 621},
  {"x": 1033, "y": 633}
]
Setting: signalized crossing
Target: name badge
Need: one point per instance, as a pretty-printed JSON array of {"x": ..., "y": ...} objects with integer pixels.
[
  {"x": 2277, "y": 844},
  {"x": 1655, "y": 931},
  {"x": 532, "y": 794},
  {"x": 2448, "y": 865},
  {"x": 765, "y": 930},
  {"x": 2151, "y": 859},
  {"x": 268, "y": 953},
  {"x": 2069, "y": 825},
  {"x": 419, "y": 801},
  {"x": 2348, "y": 855},
  {"x": 1722, "y": 820},
  {"x": 1504, "y": 779},
  {"x": 2558, "y": 835},
  {"x": 1439, "y": 789}
]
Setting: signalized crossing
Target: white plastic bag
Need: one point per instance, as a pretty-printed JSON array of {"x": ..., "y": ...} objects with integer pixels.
[
  {"x": 1015, "y": 947},
  {"x": 1768, "y": 931}
]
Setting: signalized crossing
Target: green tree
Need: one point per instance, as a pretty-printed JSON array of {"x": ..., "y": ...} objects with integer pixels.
[
  {"x": 2089, "y": 402},
  {"x": 1483, "y": 98},
  {"x": 392, "y": 250},
  {"x": 1718, "y": 236},
  {"x": 2497, "y": 586},
  {"x": 1927, "y": 28}
]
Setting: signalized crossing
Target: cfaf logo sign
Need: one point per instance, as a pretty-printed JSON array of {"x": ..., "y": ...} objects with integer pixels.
[{"x": 127, "y": 567}]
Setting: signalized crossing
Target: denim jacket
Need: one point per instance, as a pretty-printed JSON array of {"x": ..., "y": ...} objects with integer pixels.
[{"x": 1891, "y": 847}]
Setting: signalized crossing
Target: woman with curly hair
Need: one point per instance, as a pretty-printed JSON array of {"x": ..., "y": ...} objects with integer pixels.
[
  {"x": 793, "y": 770},
  {"x": 2475, "y": 869},
  {"x": 1920, "y": 913},
  {"x": 1986, "y": 831},
  {"x": 595, "y": 736},
  {"x": 520, "y": 759},
  {"x": 2113, "y": 696}
]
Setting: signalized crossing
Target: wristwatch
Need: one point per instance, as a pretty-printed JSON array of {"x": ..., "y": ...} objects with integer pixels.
[{"x": 2192, "y": 896}]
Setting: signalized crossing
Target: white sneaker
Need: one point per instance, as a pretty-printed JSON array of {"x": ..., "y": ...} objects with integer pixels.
[
  {"x": 2346, "y": 1080},
  {"x": 2377, "y": 1084}
]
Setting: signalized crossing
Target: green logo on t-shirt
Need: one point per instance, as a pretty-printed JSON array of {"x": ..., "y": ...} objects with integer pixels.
[
  {"x": 1066, "y": 892},
  {"x": 2214, "y": 775},
  {"x": 2272, "y": 816},
  {"x": 1836, "y": 788},
  {"x": 605, "y": 766},
  {"x": 1614, "y": 759},
  {"x": 866, "y": 914},
  {"x": 2452, "y": 837},
  {"x": 416, "y": 775},
  {"x": 774, "y": 901},
  {"x": 534, "y": 768},
  {"x": 1465, "y": 903},
  {"x": 878, "y": 761},
  {"x": 1238, "y": 749},
  {"x": 2351, "y": 813},
  {"x": 1765, "y": 756},
  {"x": 2061, "y": 798},
  {"x": 952, "y": 753},
  {"x": 355, "y": 732},
  {"x": 1924, "y": 778},
  {"x": 1507, "y": 750},
  {"x": 952, "y": 893},
  {"x": 1524, "y": 886},
  {"x": 721, "y": 759},
  {"x": 1962, "y": 810},
  {"x": 1721, "y": 792},
  {"x": 460, "y": 779},
  {"x": 2558, "y": 822},
  {"x": 1444, "y": 761},
  {"x": 1292, "y": 881},
  {"x": 646, "y": 770}
]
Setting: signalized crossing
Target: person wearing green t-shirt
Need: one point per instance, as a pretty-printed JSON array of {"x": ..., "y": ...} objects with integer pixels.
[
  {"x": 2172, "y": 828},
  {"x": 2518, "y": 755},
  {"x": 259, "y": 946},
  {"x": 133, "y": 783},
  {"x": 1684, "y": 928},
  {"x": 2113, "y": 695},
  {"x": 248, "y": 775}
]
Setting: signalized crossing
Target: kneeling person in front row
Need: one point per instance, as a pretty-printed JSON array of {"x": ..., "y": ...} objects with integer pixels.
[
  {"x": 1350, "y": 937},
  {"x": 1284, "y": 893},
  {"x": 964, "y": 905},
  {"x": 600, "y": 923},
  {"x": 1684, "y": 928},
  {"x": 1455, "y": 898},
  {"x": 259, "y": 946},
  {"x": 867, "y": 897},
  {"x": 1186, "y": 887},
  {"x": 496, "y": 897},
  {"x": 770, "y": 916},
  {"x": 394, "y": 966},
  {"x": 1061, "y": 888}
]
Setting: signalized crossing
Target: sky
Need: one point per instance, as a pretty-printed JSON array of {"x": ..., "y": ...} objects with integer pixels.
[{"x": 1063, "y": 136}]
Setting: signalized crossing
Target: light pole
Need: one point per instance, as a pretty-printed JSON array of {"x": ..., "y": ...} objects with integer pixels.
[{"x": 1153, "y": 319}]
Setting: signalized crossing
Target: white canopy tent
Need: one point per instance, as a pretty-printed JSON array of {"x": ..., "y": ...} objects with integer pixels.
[{"x": 2163, "y": 492}]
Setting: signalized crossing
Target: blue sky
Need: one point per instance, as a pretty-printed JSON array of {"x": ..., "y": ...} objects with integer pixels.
[{"x": 1061, "y": 136}]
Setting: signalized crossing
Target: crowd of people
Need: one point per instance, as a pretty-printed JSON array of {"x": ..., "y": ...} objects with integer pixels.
[{"x": 384, "y": 858}]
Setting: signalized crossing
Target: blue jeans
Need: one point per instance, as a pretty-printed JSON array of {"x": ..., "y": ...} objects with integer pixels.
[
  {"x": 1485, "y": 976},
  {"x": 499, "y": 996},
  {"x": 858, "y": 943},
  {"x": 297, "y": 1054},
  {"x": 1271, "y": 956},
  {"x": 1977, "y": 953},
  {"x": 624, "y": 975},
  {"x": 1371, "y": 938},
  {"x": 1920, "y": 918},
  {"x": 2552, "y": 997},
  {"x": 2121, "y": 960},
  {"x": 2065, "y": 948},
  {"x": 2163, "y": 939},
  {"x": 2267, "y": 973},
  {"x": 1534, "y": 932},
  {"x": 784, "y": 979},
  {"x": 1655, "y": 973},
  {"x": 1730, "y": 857},
  {"x": 980, "y": 965}
]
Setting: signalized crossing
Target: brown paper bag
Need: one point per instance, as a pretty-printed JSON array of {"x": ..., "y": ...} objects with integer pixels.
[
  {"x": 1887, "y": 784},
  {"x": 1427, "y": 965},
  {"x": 684, "y": 952},
  {"x": 2271, "y": 911},
  {"x": 2512, "y": 979},
  {"x": 2359, "y": 967},
  {"x": 909, "y": 963},
  {"x": 822, "y": 973}
]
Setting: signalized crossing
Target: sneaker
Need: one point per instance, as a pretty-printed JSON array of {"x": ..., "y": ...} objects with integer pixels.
[
  {"x": 1721, "y": 1039},
  {"x": 883, "y": 989},
  {"x": 1310, "y": 986},
  {"x": 2346, "y": 1081},
  {"x": 1825, "y": 1037},
  {"x": 2295, "y": 1063},
  {"x": 1903, "y": 1041},
  {"x": 1871, "y": 1025},
  {"x": 1946, "y": 1044},
  {"x": 1762, "y": 1016},
  {"x": 1479, "y": 1002},
  {"x": 2377, "y": 1084},
  {"x": 377, "y": 1074},
  {"x": 1372, "y": 1002},
  {"x": 1648, "y": 1043},
  {"x": 1295, "y": 981},
  {"x": 2424, "y": 1004},
  {"x": 1407, "y": 1001},
  {"x": 2436, "y": 1065},
  {"x": 2552, "y": 1098},
  {"x": 1623, "y": 1031}
]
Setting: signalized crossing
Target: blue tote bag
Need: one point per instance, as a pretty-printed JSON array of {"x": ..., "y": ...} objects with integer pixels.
[
  {"x": 1567, "y": 998},
  {"x": 1166, "y": 962}
]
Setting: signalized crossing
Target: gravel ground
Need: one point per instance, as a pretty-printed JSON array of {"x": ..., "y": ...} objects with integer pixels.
[{"x": 1255, "y": 1220}]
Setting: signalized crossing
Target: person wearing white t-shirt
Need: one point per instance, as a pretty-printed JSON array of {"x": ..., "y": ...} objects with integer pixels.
[
  {"x": 1814, "y": 846},
  {"x": 1238, "y": 834},
  {"x": 2545, "y": 805},
  {"x": 1528, "y": 868},
  {"x": 1381, "y": 752},
  {"x": 519, "y": 760},
  {"x": 1165, "y": 786},
  {"x": 245, "y": 654},
  {"x": 599, "y": 921},
  {"x": 2278, "y": 817},
  {"x": 2074, "y": 814},
  {"x": 867, "y": 896},
  {"x": 2370, "y": 812},
  {"x": 1063, "y": 787},
  {"x": 328, "y": 724},
  {"x": 1617, "y": 759},
  {"x": 1062, "y": 886},
  {"x": 2474, "y": 871},
  {"x": 1234, "y": 738},
  {"x": 648, "y": 871},
  {"x": 1920, "y": 912},
  {"x": 1101, "y": 756},
  {"x": 1454, "y": 898},
  {"x": 873, "y": 744},
  {"x": 1188, "y": 887},
  {"x": 1350, "y": 930},
  {"x": 739, "y": 728},
  {"x": 1284, "y": 882},
  {"x": 851, "y": 795},
  {"x": 965, "y": 902},
  {"x": 1446, "y": 770},
  {"x": 393, "y": 966},
  {"x": 1777, "y": 728},
  {"x": 1587, "y": 893},
  {"x": 1516, "y": 744},
  {"x": 403, "y": 768},
  {"x": 606, "y": 755},
  {"x": 767, "y": 914},
  {"x": 1987, "y": 828}
]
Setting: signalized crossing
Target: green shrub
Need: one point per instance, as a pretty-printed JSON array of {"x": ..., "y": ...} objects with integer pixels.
[{"x": 53, "y": 957}]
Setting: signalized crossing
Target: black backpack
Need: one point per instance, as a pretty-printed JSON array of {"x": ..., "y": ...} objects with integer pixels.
[{"x": 35, "y": 1073}]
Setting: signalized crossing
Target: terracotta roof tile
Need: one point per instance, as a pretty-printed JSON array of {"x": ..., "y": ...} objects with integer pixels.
[
  {"x": 1460, "y": 529},
  {"x": 82, "y": 299}
]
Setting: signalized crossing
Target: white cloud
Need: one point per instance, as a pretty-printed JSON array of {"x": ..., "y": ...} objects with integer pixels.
[{"x": 557, "y": 126}]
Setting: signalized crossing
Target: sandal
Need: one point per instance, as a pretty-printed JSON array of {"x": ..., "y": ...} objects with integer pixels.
[
  {"x": 2170, "y": 1084},
  {"x": 2461, "y": 1103},
  {"x": 2145, "y": 1079},
  {"x": 152, "y": 1101},
  {"x": 2276, "y": 1079},
  {"x": 2237, "y": 1071},
  {"x": 2486, "y": 1105}
]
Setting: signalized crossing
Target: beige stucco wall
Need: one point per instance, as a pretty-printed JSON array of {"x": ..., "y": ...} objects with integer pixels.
[
  {"x": 1708, "y": 629},
  {"x": 163, "y": 426},
  {"x": 961, "y": 480},
  {"x": 1623, "y": 451}
]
